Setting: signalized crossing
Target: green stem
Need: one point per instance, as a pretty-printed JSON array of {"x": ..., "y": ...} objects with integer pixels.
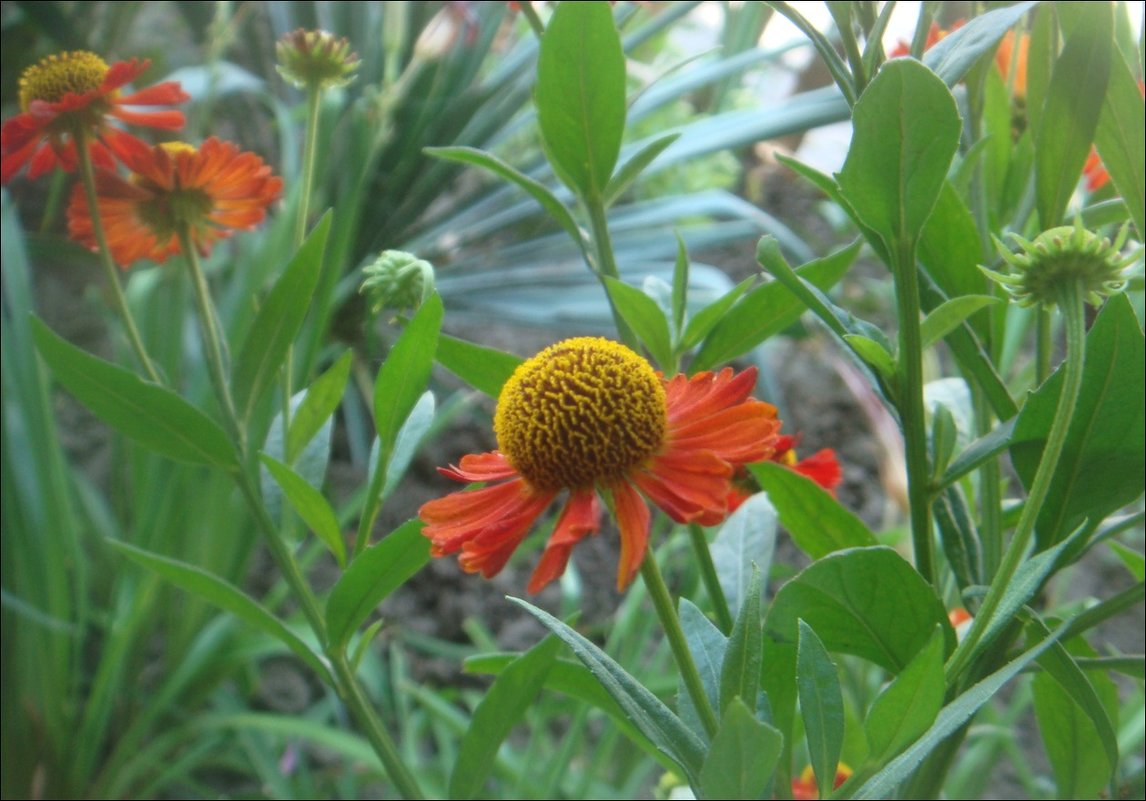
[
  {"x": 911, "y": 410},
  {"x": 361, "y": 708},
  {"x": 710, "y": 578},
  {"x": 1070, "y": 301},
  {"x": 530, "y": 14},
  {"x": 87, "y": 175},
  {"x": 1044, "y": 347},
  {"x": 666, "y": 611},
  {"x": 990, "y": 494},
  {"x": 210, "y": 329},
  {"x": 606, "y": 265}
]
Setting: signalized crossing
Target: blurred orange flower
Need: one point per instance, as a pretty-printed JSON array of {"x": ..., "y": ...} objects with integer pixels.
[
  {"x": 209, "y": 192},
  {"x": 804, "y": 788},
  {"x": 77, "y": 94}
]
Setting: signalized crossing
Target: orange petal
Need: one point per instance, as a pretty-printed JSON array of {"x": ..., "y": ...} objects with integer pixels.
[
  {"x": 633, "y": 522},
  {"x": 688, "y": 486},
  {"x": 460, "y": 517},
  {"x": 480, "y": 467},
  {"x": 580, "y": 518}
]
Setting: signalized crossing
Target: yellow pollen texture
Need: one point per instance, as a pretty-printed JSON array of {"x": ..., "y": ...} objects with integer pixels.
[
  {"x": 57, "y": 75},
  {"x": 582, "y": 411}
]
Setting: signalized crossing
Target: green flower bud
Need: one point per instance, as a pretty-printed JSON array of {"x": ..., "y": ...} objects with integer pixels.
[
  {"x": 316, "y": 59},
  {"x": 397, "y": 280},
  {"x": 1070, "y": 253}
]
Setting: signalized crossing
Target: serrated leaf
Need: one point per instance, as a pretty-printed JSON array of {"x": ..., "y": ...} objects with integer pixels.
[
  {"x": 506, "y": 702},
  {"x": 227, "y": 597},
  {"x": 580, "y": 95},
  {"x": 374, "y": 574},
  {"x": 817, "y": 522},
  {"x": 742, "y": 756},
  {"x": 151, "y": 415},
  {"x": 310, "y": 505},
  {"x": 906, "y": 132},
  {"x": 484, "y": 369},
  {"x": 278, "y": 321},
  {"x": 908, "y": 705},
  {"x": 654, "y": 720},
  {"x": 821, "y": 706}
]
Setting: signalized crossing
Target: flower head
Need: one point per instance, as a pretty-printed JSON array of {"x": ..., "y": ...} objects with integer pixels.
[
  {"x": 316, "y": 59},
  {"x": 1068, "y": 253},
  {"x": 76, "y": 94},
  {"x": 208, "y": 191},
  {"x": 591, "y": 417}
]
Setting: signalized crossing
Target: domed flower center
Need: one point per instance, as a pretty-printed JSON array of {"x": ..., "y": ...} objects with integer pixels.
[
  {"x": 59, "y": 75},
  {"x": 583, "y": 411}
]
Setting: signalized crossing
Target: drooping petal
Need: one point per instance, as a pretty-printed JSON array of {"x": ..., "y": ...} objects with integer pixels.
[
  {"x": 489, "y": 466},
  {"x": 459, "y": 517},
  {"x": 822, "y": 467},
  {"x": 689, "y": 486},
  {"x": 580, "y": 518},
  {"x": 633, "y": 522}
]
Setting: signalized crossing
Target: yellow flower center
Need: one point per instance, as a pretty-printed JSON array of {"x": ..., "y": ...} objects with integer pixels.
[
  {"x": 583, "y": 411},
  {"x": 58, "y": 75}
]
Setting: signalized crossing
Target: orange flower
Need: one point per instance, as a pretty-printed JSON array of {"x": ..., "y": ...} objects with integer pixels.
[
  {"x": 1003, "y": 57},
  {"x": 934, "y": 35},
  {"x": 211, "y": 190},
  {"x": 804, "y": 788},
  {"x": 822, "y": 467},
  {"x": 590, "y": 416},
  {"x": 76, "y": 94}
]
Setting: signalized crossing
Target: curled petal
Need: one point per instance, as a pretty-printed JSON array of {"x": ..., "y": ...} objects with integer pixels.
[
  {"x": 489, "y": 466},
  {"x": 691, "y": 487},
  {"x": 633, "y": 522},
  {"x": 580, "y": 518}
]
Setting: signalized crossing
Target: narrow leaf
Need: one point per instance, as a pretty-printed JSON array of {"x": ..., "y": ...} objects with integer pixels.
[
  {"x": 872, "y": 352},
  {"x": 632, "y": 169},
  {"x": 742, "y": 757},
  {"x": 645, "y": 317},
  {"x": 310, "y": 505},
  {"x": 318, "y": 404},
  {"x": 151, "y": 415},
  {"x": 908, "y": 706},
  {"x": 744, "y": 545},
  {"x": 227, "y": 597},
  {"x": 707, "y": 646},
  {"x": 374, "y": 574},
  {"x": 278, "y": 322},
  {"x": 953, "y": 55},
  {"x": 484, "y": 369},
  {"x": 950, "y": 315},
  {"x": 821, "y": 705},
  {"x": 1121, "y": 131},
  {"x": 740, "y": 672}
]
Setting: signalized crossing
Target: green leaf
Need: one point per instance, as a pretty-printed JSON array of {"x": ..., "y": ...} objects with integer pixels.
[
  {"x": 953, "y": 55},
  {"x": 950, "y": 719},
  {"x": 151, "y": 415},
  {"x": 742, "y": 756},
  {"x": 1133, "y": 560},
  {"x": 406, "y": 445},
  {"x": 310, "y": 505},
  {"x": 537, "y": 190},
  {"x": 950, "y": 315},
  {"x": 768, "y": 310},
  {"x": 817, "y": 522},
  {"x": 740, "y": 671},
  {"x": 873, "y": 353},
  {"x": 1121, "y": 131},
  {"x": 743, "y": 546},
  {"x": 580, "y": 95},
  {"x": 708, "y": 317},
  {"x": 318, "y": 404},
  {"x": 278, "y": 321},
  {"x": 1070, "y": 113},
  {"x": 404, "y": 375},
  {"x": 863, "y": 601},
  {"x": 707, "y": 646},
  {"x": 821, "y": 705},
  {"x": 227, "y": 597},
  {"x": 310, "y": 463},
  {"x": 679, "y": 288},
  {"x": 654, "y": 720},
  {"x": 1102, "y": 466},
  {"x": 1077, "y": 733},
  {"x": 908, "y": 705},
  {"x": 906, "y": 132},
  {"x": 949, "y": 248},
  {"x": 374, "y": 574},
  {"x": 484, "y": 369},
  {"x": 959, "y": 536},
  {"x": 985, "y": 447},
  {"x": 508, "y": 699},
  {"x": 632, "y": 169},
  {"x": 645, "y": 317}
]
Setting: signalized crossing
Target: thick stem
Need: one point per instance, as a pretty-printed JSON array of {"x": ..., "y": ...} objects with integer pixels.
[
  {"x": 1070, "y": 301},
  {"x": 663, "y": 604},
  {"x": 911, "y": 410},
  {"x": 87, "y": 176},
  {"x": 710, "y": 578}
]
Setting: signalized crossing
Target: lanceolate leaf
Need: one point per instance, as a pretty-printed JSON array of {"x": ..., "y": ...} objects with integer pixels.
[
  {"x": 742, "y": 757},
  {"x": 321, "y": 399},
  {"x": 908, "y": 706},
  {"x": 581, "y": 95},
  {"x": 227, "y": 597},
  {"x": 278, "y": 322},
  {"x": 153, "y": 416},
  {"x": 1121, "y": 131},
  {"x": 310, "y": 505},
  {"x": 821, "y": 705},
  {"x": 483, "y": 368},
  {"x": 953, "y": 55},
  {"x": 645, "y": 317}
]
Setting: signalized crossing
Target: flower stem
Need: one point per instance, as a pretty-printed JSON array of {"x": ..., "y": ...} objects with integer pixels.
[
  {"x": 1070, "y": 301},
  {"x": 663, "y": 604},
  {"x": 710, "y": 578},
  {"x": 911, "y": 412},
  {"x": 606, "y": 265},
  {"x": 87, "y": 174}
]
